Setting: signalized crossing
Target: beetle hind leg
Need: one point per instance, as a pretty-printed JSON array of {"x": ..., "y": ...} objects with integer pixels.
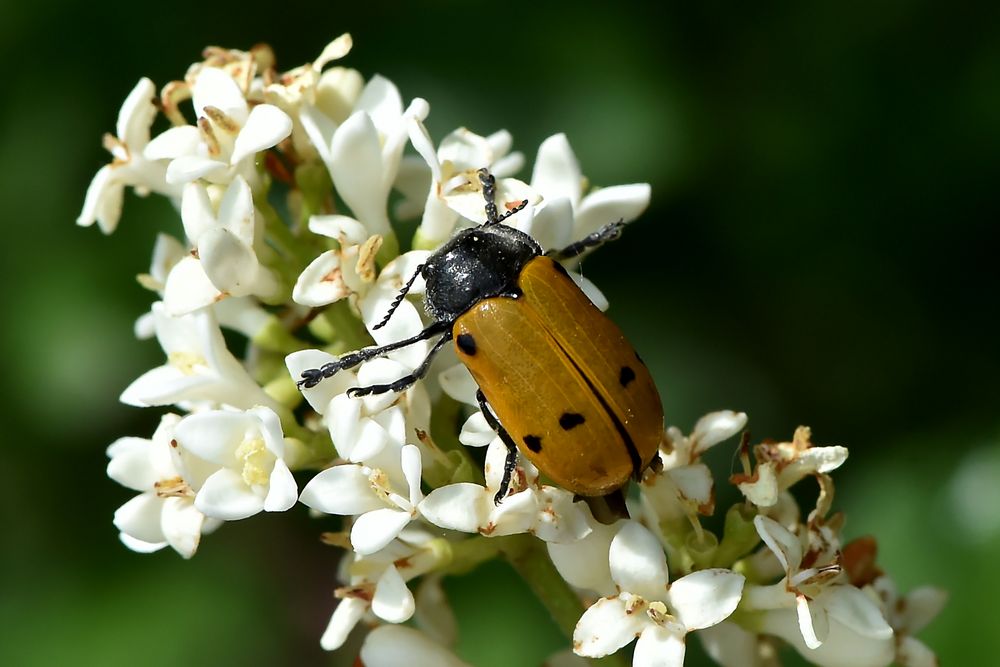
[{"x": 511, "y": 461}]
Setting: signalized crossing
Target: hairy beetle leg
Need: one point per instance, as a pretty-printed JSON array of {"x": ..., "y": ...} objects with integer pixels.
[{"x": 407, "y": 380}]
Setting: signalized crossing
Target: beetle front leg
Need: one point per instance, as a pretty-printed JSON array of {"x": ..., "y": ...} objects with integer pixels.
[
  {"x": 511, "y": 462},
  {"x": 406, "y": 381},
  {"x": 313, "y": 376},
  {"x": 608, "y": 232}
]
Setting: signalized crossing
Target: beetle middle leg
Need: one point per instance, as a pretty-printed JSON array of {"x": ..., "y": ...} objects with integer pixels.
[
  {"x": 511, "y": 461},
  {"x": 608, "y": 232}
]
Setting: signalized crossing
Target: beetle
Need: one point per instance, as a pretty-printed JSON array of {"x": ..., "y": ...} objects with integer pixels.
[{"x": 557, "y": 379}]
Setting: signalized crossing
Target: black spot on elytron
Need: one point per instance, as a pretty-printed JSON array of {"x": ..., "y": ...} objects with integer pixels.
[
  {"x": 569, "y": 420},
  {"x": 466, "y": 343},
  {"x": 561, "y": 269},
  {"x": 626, "y": 375},
  {"x": 534, "y": 443}
]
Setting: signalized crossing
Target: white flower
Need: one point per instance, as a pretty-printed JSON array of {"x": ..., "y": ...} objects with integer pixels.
[
  {"x": 371, "y": 429},
  {"x": 363, "y": 153},
  {"x": 307, "y": 86},
  {"x": 455, "y": 189},
  {"x": 199, "y": 368},
  {"x": 567, "y": 213},
  {"x": 584, "y": 563},
  {"x": 228, "y": 135},
  {"x": 377, "y": 582},
  {"x": 547, "y": 512},
  {"x": 685, "y": 487},
  {"x": 167, "y": 252},
  {"x": 226, "y": 263},
  {"x": 660, "y": 614},
  {"x": 907, "y": 615},
  {"x": 360, "y": 490},
  {"x": 715, "y": 427},
  {"x": 164, "y": 512},
  {"x": 247, "y": 449},
  {"x": 782, "y": 464},
  {"x": 395, "y": 645},
  {"x": 731, "y": 646},
  {"x": 821, "y": 603},
  {"x": 129, "y": 166},
  {"x": 340, "y": 272}
]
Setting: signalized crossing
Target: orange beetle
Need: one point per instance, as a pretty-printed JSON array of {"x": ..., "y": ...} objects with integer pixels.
[{"x": 557, "y": 378}]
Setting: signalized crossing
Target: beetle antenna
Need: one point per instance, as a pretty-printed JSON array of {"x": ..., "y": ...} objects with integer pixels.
[
  {"x": 399, "y": 297},
  {"x": 489, "y": 194},
  {"x": 524, "y": 202}
]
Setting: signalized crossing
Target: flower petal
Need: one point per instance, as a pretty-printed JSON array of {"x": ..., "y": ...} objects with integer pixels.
[
  {"x": 914, "y": 653},
  {"x": 173, "y": 143},
  {"x": 214, "y": 87},
  {"x": 557, "y": 172},
  {"x": 392, "y": 601},
  {"x": 476, "y": 432},
  {"x": 139, "y": 518},
  {"x": 813, "y": 623},
  {"x": 658, "y": 646},
  {"x": 136, "y": 115},
  {"x": 638, "y": 564},
  {"x": 457, "y": 382},
  {"x": 225, "y": 495},
  {"x": 605, "y": 627},
  {"x": 410, "y": 461},
  {"x": 130, "y": 464},
  {"x": 584, "y": 564},
  {"x": 182, "y": 522},
  {"x": 282, "y": 490},
  {"x": 618, "y": 202},
  {"x": 232, "y": 265},
  {"x": 347, "y": 614},
  {"x": 343, "y": 489},
  {"x": 780, "y": 541},
  {"x": 374, "y": 530},
  {"x": 395, "y": 645},
  {"x": 590, "y": 289},
  {"x": 704, "y": 598},
  {"x": 714, "y": 428},
  {"x": 464, "y": 507},
  {"x": 320, "y": 395},
  {"x": 356, "y": 168},
  {"x": 191, "y": 167},
  {"x": 265, "y": 127},
  {"x": 855, "y": 610},
  {"x": 214, "y": 435}
]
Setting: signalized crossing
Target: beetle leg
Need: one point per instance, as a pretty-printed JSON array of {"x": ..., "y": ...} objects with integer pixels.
[
  {"x": 608, "y": 232},
  {"x": 511, "y": 461},
  {"x": 313, "y": 376},
  {"x": 407, "y": 380}
]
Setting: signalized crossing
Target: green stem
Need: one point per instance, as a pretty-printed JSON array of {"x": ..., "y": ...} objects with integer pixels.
[{"x": 528, "y": 557}]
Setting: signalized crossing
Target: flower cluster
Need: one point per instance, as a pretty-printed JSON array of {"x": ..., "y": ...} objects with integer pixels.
[{"x": 290, "y": 188}]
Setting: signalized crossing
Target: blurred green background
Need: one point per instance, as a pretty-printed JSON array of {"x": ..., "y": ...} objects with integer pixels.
[{"x": 820, "y": 250}]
